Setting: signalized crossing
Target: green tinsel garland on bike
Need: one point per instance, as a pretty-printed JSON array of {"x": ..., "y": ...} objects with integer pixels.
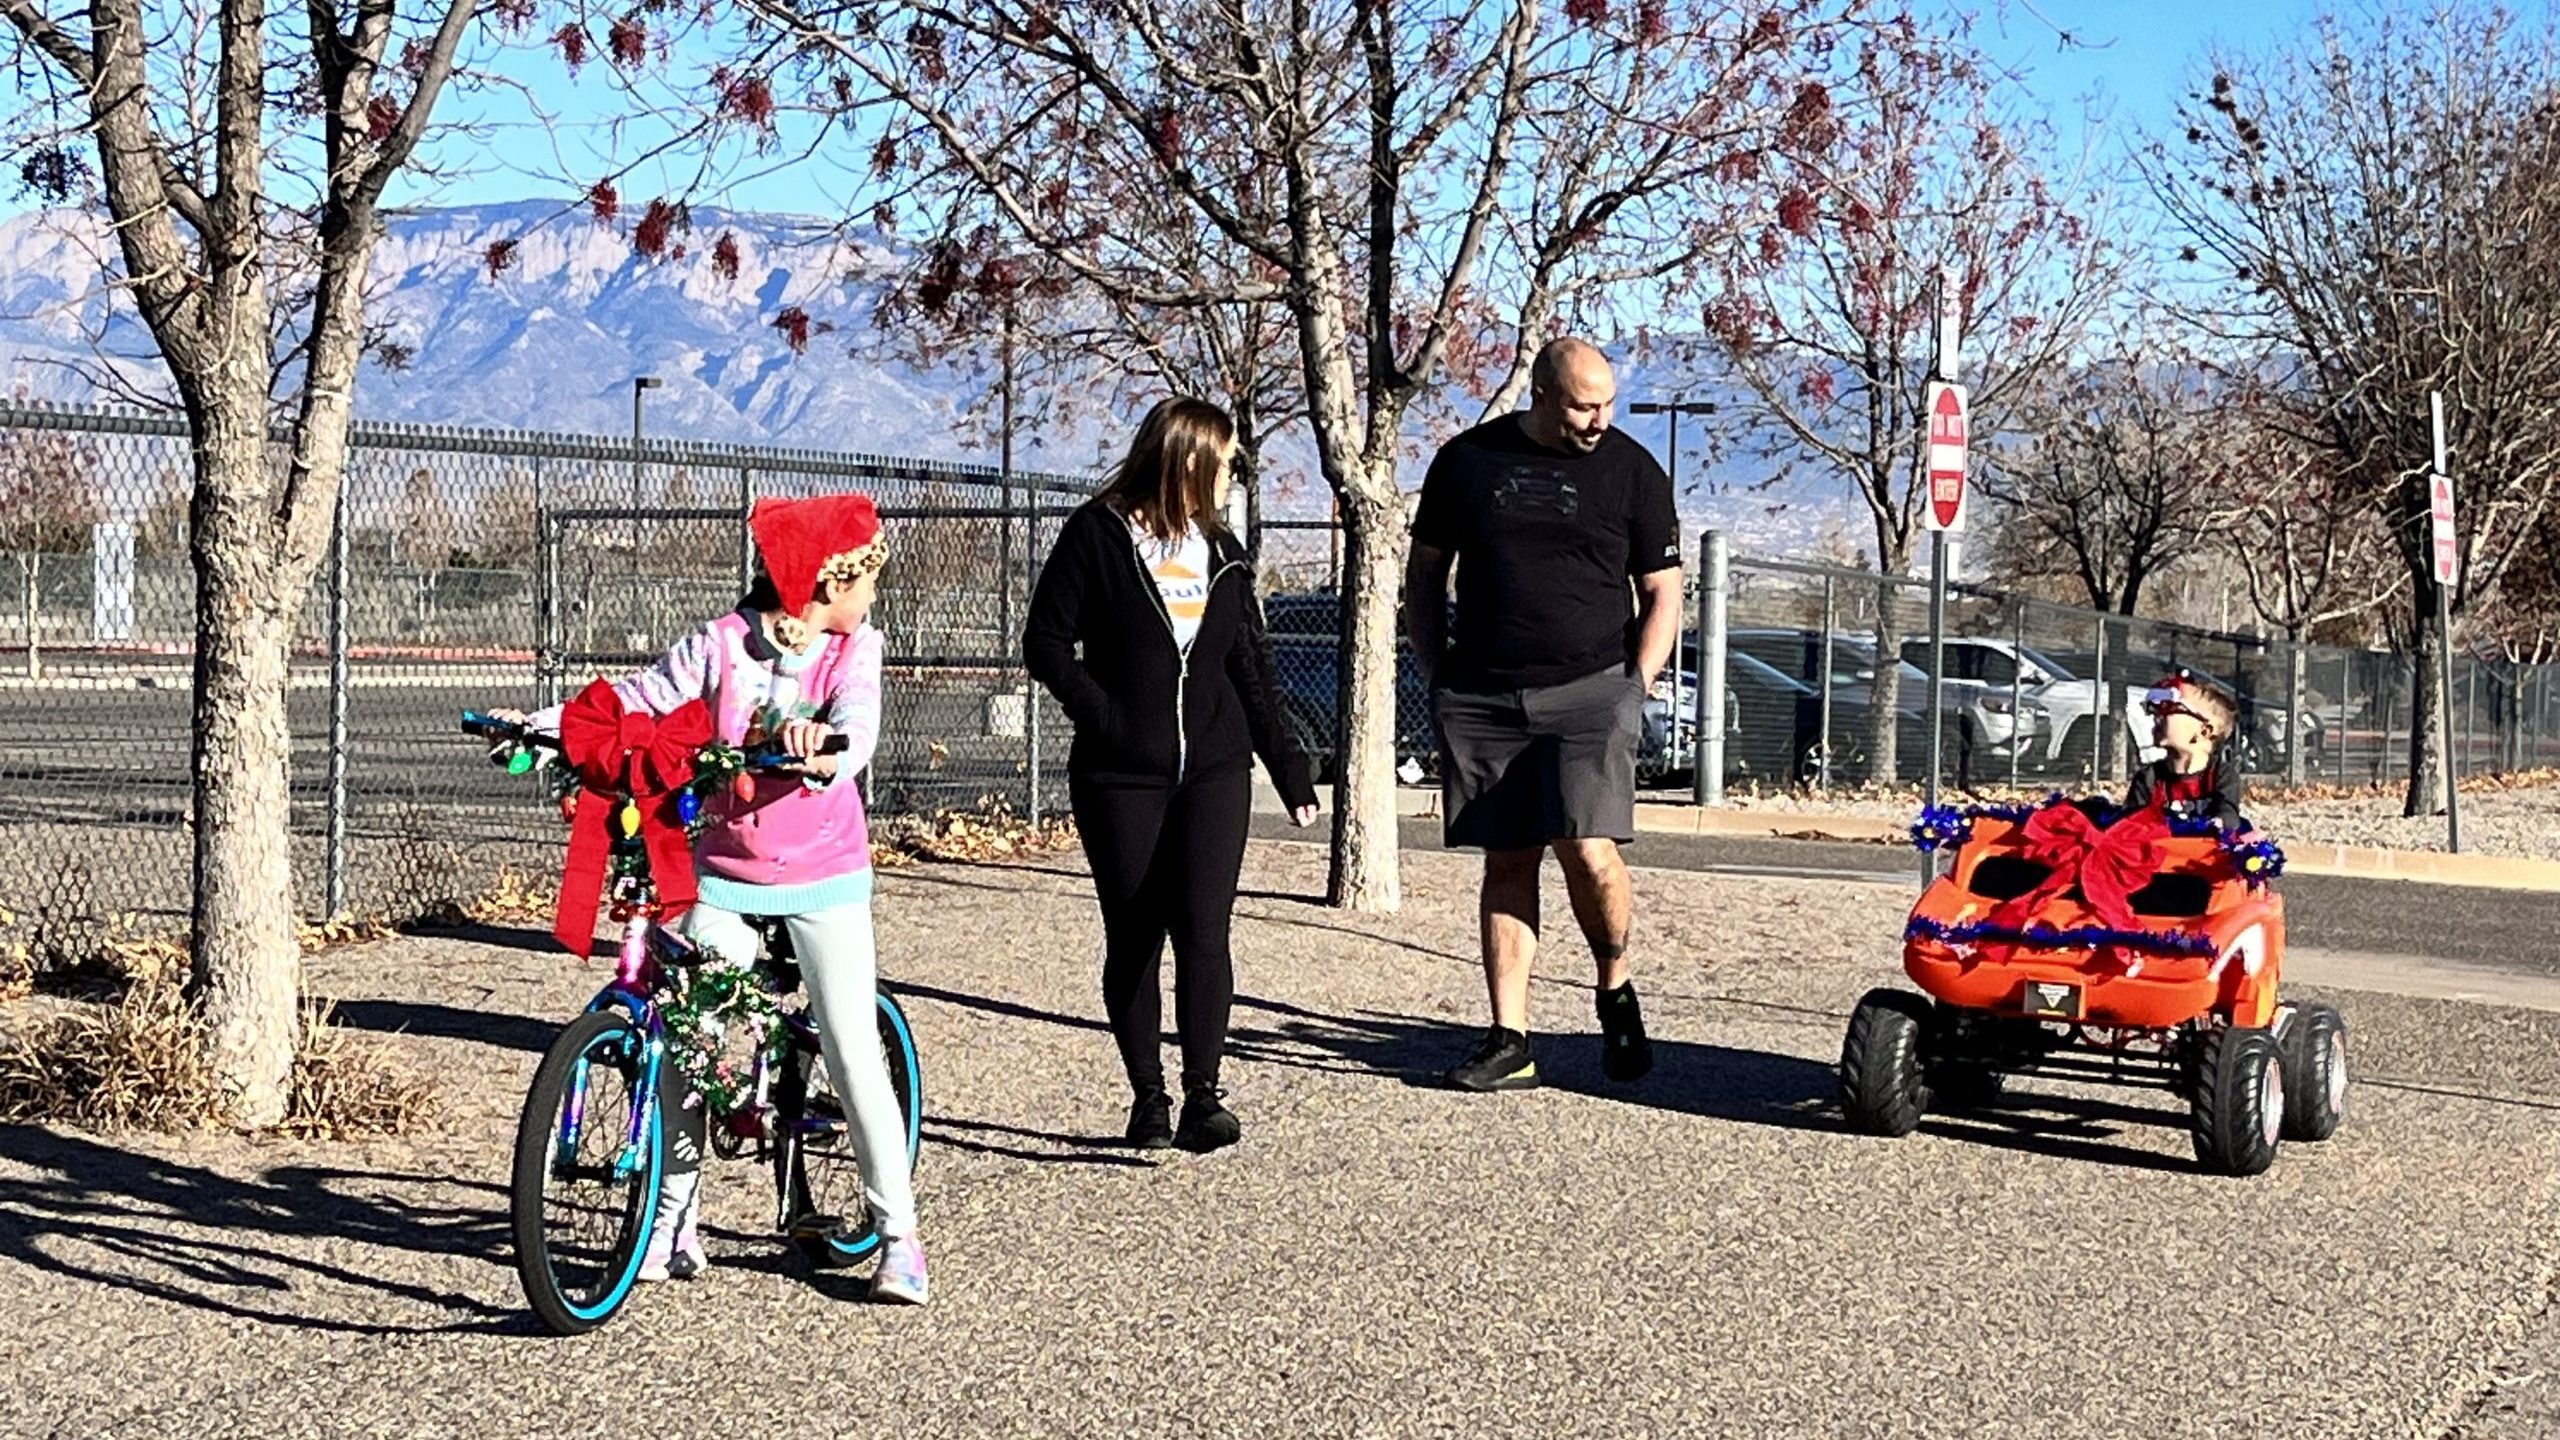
[{"x": 707, "y": 1005}]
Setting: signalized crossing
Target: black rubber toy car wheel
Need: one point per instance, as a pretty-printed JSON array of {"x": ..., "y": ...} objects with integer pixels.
[
  {"x": 1883, "y": 1090},
  {"x": 2238, "y": 1112},
  {"x": 2314, "y": 1053}
]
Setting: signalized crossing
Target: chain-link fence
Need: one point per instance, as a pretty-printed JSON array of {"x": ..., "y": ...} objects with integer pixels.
[
  {"x": 1827, "y": 684},
  {"x": 470, "y": 569}
]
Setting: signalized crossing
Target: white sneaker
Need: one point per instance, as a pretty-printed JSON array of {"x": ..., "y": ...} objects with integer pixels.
[
  {"x": 901, "y": 1273},
  {"x": 674, "y": 1258}
]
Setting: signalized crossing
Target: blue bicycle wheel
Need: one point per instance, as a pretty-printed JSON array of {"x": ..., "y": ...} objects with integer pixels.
[
  {"x": 586, "y": 1173},
  {"x": 832, "y": 1224}
]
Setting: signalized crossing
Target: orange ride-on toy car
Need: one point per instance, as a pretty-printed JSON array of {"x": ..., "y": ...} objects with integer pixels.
[{"x": 2069, "y": 941}]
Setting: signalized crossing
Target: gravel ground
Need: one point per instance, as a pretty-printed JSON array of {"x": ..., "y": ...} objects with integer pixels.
[
  {"x": 2496, "y": 820},
  {"x": 1703, "y": 1253}
]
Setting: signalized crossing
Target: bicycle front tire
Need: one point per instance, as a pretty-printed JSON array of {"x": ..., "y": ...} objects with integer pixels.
[{"x": 582, "y": 1203}]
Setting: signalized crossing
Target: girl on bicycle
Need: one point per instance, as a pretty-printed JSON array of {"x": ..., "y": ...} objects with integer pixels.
[{"x": 796, "y": 663}]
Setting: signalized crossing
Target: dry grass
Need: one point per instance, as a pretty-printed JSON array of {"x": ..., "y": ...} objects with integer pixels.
[
  {"x": 990, "y": 832},
  {"x": 117, "y": 1046},
  {"x": 137, "y": 1062}
]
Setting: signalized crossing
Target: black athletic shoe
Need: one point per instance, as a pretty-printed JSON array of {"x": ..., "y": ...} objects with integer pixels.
[
  {"x": 1151, "y": 1121},
  {"x": 1502, "y": 1062},
  {"x": 1624, "y": 1051},
  {"x": 1207, "y": 1124}
]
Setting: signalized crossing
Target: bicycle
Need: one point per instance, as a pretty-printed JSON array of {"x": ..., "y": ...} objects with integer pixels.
[{"x": 790, "y": 1117}]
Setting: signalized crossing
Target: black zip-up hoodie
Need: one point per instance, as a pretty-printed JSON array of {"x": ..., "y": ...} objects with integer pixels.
[
  {"x": 2224, "y": 787},
  {"x": 1131, "y": 685}
]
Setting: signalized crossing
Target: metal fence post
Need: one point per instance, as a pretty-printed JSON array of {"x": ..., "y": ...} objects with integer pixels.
[
  {"x": 2293, "y": 714},
  {"x": 1707, "y": 774},
  {"x": 1822, "y": 741},
  {"x": 334, "y": 888},
  {"x": 546, "y": 585},
  {"x": 2102, "y": 723},
  {"x": 2346, "y": 707},
  {"x": 2017, "y": 684},
  {"x": 2390, "y": 712},
  {"x": 2470, "y": 718},
  {"x": 1030, "y": 688},
  {"x": 746, "y": 531}
]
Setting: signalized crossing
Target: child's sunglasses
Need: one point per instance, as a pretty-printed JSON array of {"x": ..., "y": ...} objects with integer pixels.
[{"x": 2163, "y": 701}]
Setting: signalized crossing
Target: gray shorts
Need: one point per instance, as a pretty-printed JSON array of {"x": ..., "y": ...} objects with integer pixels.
[{"x": 1520, "y": 769}]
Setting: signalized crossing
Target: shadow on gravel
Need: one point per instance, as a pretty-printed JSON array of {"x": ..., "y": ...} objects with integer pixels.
[
  {"x": 502, "y": 937},
  {"x": 967, "y": 1135},
  {"x": 265, "y": 1250},
  {"x": 1717, "y": 1081},
  {"x": 446, "y": 1022},
  {"x": 2067, "y": 1127}
]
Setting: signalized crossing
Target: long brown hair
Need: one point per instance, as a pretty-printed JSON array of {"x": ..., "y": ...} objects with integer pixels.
[{"x": 1168, "y": 481}]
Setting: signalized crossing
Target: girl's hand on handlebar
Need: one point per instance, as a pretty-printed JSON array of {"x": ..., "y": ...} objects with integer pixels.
[{"x": 805, "y": 738}]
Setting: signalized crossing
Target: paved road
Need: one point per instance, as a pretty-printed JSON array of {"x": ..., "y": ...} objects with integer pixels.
[{"x": 1706, "y": 1253}]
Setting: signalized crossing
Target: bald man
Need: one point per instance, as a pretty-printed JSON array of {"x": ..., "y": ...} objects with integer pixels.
[{"x": 1567, "y": 553}]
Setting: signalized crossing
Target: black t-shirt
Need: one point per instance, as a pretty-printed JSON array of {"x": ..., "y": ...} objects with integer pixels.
[{"x": 1546, "y": 543}]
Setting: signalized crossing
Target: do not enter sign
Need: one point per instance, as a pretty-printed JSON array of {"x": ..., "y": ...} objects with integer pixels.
[
  {"x": 1946, "y": 456},
  {"x": 2448, "y": 551}
]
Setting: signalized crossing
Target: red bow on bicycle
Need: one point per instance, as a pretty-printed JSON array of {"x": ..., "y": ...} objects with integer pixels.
[
  {"x": 2107, "y": 864},
  {"x": 617, "y": 751}
]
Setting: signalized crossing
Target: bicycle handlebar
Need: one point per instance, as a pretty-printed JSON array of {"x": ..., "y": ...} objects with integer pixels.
[{"x": 764, "y": 756}]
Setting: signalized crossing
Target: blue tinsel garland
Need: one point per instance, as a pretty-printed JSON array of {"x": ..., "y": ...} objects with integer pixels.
[
  {"x": 2080, "y": 937},
  {"x": 1947, "y": 826}
]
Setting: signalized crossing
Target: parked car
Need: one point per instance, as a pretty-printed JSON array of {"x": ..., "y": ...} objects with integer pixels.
[
  {"x": 1306, "y": 658},
  {"x": 2006, "y": 701},
  {"x": 1979, "y": 727},
  {"x": 2266, "y": 731}
]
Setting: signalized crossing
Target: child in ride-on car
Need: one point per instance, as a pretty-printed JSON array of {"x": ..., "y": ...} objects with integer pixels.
[{"x": 2196, "y": 776}]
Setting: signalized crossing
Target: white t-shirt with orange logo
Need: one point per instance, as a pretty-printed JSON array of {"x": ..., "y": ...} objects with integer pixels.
[{"x": 1181, "y": 571}]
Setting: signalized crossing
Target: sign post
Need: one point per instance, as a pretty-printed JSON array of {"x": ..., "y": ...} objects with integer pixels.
[
  {"x": 2447, "y": 556},
  {"x": 1943, "y": 473}
]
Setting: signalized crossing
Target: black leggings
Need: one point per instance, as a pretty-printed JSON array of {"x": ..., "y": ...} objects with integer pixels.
[{"x": 1165, "y": 862}]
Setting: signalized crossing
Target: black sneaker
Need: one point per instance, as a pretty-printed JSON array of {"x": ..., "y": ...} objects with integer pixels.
[
  {"x": 1207, "y": 1124},
  {"x": 1502, "y": 1062},
  {"x": 1151, "y": 1121},
  {"x": 1624, "y": 1052}
]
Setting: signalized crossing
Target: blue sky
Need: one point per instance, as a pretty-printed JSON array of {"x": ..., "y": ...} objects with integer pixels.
[{"x": 2131, "y": 62}]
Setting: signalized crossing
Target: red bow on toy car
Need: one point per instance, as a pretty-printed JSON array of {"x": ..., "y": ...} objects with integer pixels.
[
  {"x": 2107, "y": 864},
  {"x": 615, "y": 751}
]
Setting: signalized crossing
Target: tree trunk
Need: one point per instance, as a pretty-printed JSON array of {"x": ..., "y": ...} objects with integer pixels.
[
  {"x": 1246, "y": 472},
  {"x": 246, "y": 977},
  {"x": 2426, "y": 792},
  {"x": 1365, "y": 836}
]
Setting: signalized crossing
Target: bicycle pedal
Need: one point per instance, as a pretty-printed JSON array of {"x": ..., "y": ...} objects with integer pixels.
[{"x": 814, "y": 1226}]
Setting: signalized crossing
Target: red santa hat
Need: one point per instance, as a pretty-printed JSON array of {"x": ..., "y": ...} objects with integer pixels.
[{"x": 823, "y": 537}]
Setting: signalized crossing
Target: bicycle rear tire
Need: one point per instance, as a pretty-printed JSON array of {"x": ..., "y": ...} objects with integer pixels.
[{"x": 807, "y": 1083}]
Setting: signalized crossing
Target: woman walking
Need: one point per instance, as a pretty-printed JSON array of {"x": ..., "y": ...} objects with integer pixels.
[{"x": 1171, "y": 698}]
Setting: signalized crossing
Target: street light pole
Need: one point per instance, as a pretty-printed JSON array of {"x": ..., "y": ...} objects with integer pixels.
[
  {"x": 1675, "y": 408},
  {"x": 640, "y": 384}
]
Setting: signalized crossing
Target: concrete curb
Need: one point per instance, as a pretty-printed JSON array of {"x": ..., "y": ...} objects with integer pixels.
[{"x": 2355, "y": 862}]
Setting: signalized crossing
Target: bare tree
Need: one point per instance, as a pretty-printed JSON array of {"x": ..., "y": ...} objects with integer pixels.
[
  {"x": 2107, "y": 483},
  {"x": 1351, "y": 159},
  {"x": 243, "y": 165},
  {"x": 1836, "y": 336},
  {"x": 2379, "y": 207}
]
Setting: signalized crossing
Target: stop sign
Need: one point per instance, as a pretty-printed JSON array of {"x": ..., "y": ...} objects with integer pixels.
[
  {"x": 2448, "y": 553},
  {"x": 1946, "y": 456}
]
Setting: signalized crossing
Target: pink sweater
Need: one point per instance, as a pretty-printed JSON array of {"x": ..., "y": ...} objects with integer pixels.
[{"x": 793, "y": 845}]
